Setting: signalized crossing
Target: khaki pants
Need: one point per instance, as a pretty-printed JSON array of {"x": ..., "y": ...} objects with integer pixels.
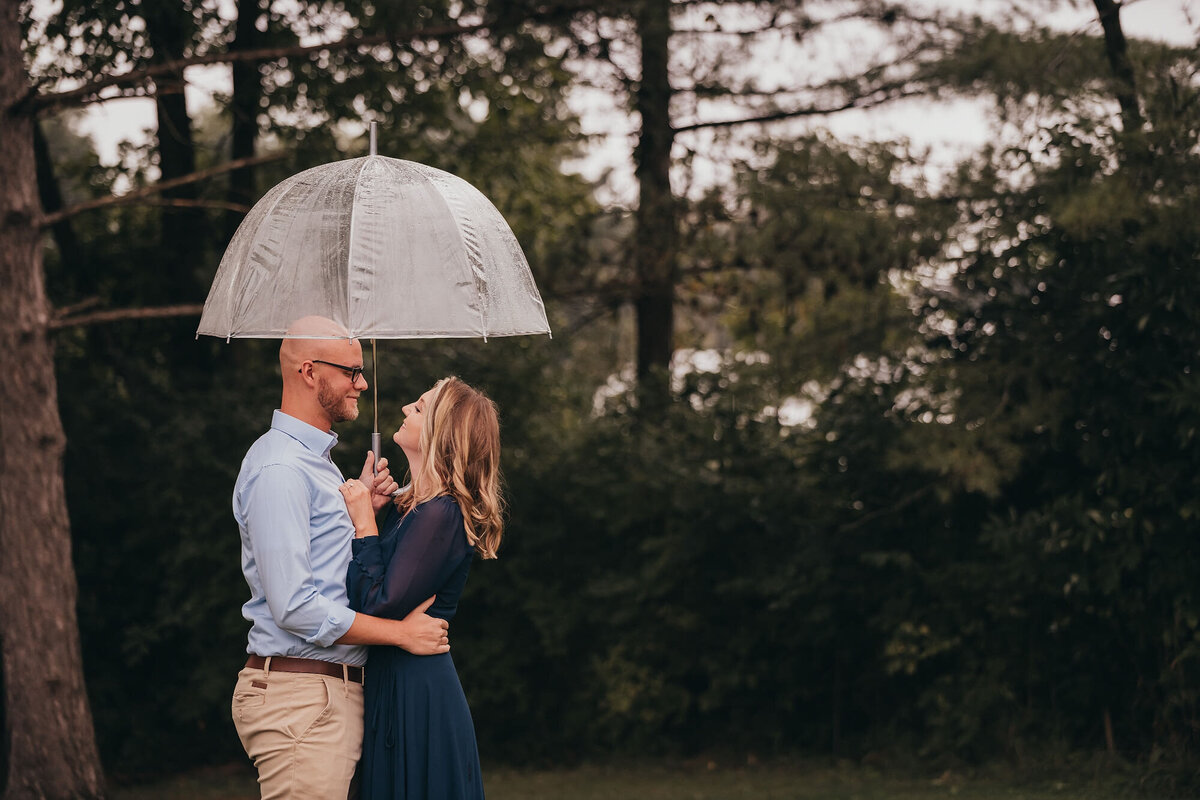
[{"x": 303, "y": 731}]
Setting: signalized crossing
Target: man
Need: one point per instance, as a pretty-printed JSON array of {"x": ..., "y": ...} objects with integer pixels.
[{"x": 298, "y": 704}]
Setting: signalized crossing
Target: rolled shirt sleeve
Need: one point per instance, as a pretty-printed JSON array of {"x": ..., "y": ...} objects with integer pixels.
[{"x": 278, "y": 511}]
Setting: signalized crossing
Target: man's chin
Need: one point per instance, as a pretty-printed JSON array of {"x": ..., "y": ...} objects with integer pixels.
[{"x": 347, "y": 413}]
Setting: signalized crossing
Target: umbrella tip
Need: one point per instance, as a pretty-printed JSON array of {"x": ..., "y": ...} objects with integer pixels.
[{"x": 372, "y": 128}]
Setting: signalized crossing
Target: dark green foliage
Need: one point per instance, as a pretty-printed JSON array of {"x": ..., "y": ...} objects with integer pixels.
[
  {"x": 1070, "y": 333},
  {"x": 981, "y": 542}
]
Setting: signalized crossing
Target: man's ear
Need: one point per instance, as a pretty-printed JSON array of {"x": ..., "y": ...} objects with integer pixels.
[{"x": 306, "y": 372}]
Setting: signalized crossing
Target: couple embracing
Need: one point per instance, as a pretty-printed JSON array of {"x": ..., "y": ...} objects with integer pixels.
[{"x": 326, "y": 582}]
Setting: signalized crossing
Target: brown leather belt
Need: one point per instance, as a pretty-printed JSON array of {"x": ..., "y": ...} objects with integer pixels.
[{"x": 307, "y": 665}]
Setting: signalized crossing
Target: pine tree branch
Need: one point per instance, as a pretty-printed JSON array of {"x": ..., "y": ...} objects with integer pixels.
[
  {"x": 149, "y": 191},
  {"x": 89, "y": 91},
  {"x": 806, "y": 25},
  {"x": 870, "y": 101}
]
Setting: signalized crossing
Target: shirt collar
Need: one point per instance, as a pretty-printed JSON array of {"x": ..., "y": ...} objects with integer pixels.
[{"x": 314, "y": 439}]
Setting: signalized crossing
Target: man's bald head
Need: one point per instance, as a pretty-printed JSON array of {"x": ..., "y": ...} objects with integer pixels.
[
  {"x": 313, "y": 337},
  {"x": 315, "y": 365}
]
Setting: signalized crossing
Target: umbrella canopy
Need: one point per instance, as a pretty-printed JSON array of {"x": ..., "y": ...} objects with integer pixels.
[{"x": 387, "y": 248}]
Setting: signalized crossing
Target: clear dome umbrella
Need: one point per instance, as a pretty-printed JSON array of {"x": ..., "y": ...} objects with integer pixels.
[{"x": 389, "y": 249}]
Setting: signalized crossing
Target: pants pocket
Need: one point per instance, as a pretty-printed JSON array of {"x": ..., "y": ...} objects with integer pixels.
[
  {"x": 248, "y": 696},
  {"x": 309, "y": 696}
]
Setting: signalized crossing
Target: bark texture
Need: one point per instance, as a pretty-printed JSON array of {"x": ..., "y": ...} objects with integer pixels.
[
  {"x": 656, "y": 238},
  {"x": 49, "y": 740}
]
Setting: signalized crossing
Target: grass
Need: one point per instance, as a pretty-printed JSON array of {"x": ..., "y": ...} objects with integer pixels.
[{"x": 703, "y": 780}]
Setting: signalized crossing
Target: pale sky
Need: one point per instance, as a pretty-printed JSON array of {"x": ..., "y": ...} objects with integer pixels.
[{"x": 951, "y": 129}]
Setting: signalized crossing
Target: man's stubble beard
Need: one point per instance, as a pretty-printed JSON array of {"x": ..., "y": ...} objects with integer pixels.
[{"x": 335, "y": 403}]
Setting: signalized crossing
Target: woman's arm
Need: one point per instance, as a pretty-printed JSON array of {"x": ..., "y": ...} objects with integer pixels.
[
  {"x": 431, "y": 546},
  {"x": 360, "y": 504}
]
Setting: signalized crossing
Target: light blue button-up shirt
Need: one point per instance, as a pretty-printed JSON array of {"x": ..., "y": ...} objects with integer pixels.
[{"x": 296, "y": 536}]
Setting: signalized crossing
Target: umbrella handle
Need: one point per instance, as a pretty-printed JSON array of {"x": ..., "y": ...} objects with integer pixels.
[{"x": 377, "y": 449}]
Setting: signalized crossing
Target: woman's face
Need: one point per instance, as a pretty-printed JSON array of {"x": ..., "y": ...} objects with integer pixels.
[{"x": 409, "y": 434}]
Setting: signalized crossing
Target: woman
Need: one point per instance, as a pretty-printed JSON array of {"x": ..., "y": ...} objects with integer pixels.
[{"x": 419, "y": 741}]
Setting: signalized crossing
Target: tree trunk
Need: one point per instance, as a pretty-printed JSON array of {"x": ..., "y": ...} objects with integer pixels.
[
  {"x": 51, "y": 198},
  {"x": 50, "y": 743},
  {"x": 1118, "y": 58},
  {"x": 656, "y": 238},
  {"x": 247, "y": 91},
  {"x": 168, "y": 29}
]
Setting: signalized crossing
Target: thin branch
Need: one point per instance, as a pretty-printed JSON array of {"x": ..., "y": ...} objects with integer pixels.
[
  {"x": 703, "y": 91},
  {"x": 885, "y": 14},
  {"x": 587, "y": 319},
  {"x": 75, "y": 308},
  {"x": 619, "y": 291},
  {"x": 61, "y": 321},
  {"x": 204, "y": 174},
  {"x": 807, "y": 25},
  {"x": 900, "y": 505},
  {"x": 87, "y": 92},
  {"x": 179, "y": 202},
  {"x": 717, "y": 92},
  {"x": 856, "y": 103}
]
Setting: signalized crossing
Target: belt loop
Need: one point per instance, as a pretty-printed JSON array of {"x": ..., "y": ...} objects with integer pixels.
[
  {"x": 345, "y": 681},
  {"x": 267, "y": 667}
]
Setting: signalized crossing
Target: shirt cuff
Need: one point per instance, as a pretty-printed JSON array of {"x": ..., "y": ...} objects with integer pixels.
[
  {"x": 358, "y": 544},
  {"x": 368, "y": 556},
  {"x": 334, "y": 627}
]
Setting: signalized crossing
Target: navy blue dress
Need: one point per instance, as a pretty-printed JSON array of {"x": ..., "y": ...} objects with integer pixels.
[{"x": 418, "y": 738}]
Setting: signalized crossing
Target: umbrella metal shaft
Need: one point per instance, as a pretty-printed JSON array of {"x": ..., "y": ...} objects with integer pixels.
[{"x": 376, "y": 438}]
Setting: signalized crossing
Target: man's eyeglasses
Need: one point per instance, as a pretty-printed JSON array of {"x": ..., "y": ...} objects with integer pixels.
[{"x": 353, "y": 372}]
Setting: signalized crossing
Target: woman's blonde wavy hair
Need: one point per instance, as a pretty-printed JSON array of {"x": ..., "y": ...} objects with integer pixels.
[{"x": 460, "y": 439}]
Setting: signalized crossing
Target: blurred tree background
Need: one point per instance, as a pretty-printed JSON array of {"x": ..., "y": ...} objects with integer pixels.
[{"x": 926, "y": 481}]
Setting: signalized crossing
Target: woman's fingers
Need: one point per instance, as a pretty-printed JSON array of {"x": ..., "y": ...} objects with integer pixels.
[{"x": 352, "y": 489}]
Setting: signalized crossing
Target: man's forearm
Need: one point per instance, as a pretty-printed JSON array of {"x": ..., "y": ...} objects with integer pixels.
[
  {"x": 373, "y": 630},
  {"x": 417, "y": 633}
]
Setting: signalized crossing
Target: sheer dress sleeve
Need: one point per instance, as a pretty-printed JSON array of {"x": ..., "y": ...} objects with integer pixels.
[{"x": 431, "y": 545}]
